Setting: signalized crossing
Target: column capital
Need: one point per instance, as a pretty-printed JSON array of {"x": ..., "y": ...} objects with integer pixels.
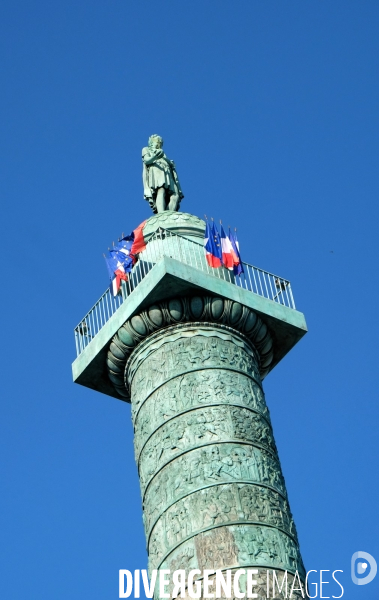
[{"x": 173, "y": 314}]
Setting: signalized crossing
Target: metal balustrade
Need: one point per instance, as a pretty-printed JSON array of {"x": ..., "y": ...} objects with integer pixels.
[{"x": 190, "y": 252}]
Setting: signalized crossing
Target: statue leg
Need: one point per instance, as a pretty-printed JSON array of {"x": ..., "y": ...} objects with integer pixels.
[
  {"x": 173, "y": 204},
  {"x": 161, "y": 200}
]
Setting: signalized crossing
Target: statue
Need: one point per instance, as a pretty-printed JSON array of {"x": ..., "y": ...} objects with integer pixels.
[{"x": 160, "y": 180}]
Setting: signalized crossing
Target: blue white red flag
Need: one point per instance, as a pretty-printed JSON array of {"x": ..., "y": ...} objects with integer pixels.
[
  {"x": 227, "y": 250},
  {"x": 212, "y": 246},
  {"x": 115, "y": 284},
  {"x": 237, "y": 262},
  {"x": 133, "y": 244},
  {"x": 120, "y": 260}
]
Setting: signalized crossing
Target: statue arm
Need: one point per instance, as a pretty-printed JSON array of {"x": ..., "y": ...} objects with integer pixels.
[
  {"x": 170, "y": 163},
  {"x": 150, "y": 156}
]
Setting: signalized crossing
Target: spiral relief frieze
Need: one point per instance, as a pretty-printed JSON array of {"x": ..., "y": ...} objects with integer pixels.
[
  {"x": 199, "y": 428},
  {"x": 226, "y": 547},
  {"x": 212, "y": 488},
  {"x": 187, "y": 391},
  {"x": 220, "y": 505},
  {"x": 199, "y": 425},
  {"x": 202, "y": 467}
]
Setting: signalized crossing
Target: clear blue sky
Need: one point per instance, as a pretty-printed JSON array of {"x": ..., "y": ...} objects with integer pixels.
[{"x": 270, "y": 111}]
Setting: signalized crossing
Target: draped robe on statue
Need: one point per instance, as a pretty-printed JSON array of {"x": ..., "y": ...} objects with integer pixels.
[{"x": 161, "y": 173}]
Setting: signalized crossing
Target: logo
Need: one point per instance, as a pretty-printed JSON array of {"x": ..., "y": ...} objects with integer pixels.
[{"x": 360, "y": 563}]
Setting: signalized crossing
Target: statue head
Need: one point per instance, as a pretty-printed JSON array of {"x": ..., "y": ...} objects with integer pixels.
[{"x": 155, "y": 141}]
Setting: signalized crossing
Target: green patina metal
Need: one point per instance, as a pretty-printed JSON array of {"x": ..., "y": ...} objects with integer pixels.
[
  {"x": 181, "y": 223},
  {"x": 161, "y": 185},
  {"x": 189, "y": 351},
  {"x": 166, "y": 280},
  {"x": 213, "y": 492},
  {"x": 182, "y": 311}
]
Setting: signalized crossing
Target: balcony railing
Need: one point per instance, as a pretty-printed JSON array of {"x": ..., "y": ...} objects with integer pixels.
[{"x": 167, "y": 243}]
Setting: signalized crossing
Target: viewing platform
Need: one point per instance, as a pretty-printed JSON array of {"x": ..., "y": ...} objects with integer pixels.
[
  {"x": 174, "y": 263},
  {"x": 166, "y": 243}
]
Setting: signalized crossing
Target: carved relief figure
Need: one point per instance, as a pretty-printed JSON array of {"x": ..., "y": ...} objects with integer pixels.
[
  {"x": 194, "y": 389},
  {"x": 173, "y": 359},
  {"x": 215, "y": 464},
  {"x": 226, "y": 503},
  {"x": 200, "y": 427}
]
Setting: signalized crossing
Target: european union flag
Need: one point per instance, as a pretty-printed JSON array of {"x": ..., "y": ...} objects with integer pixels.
[
  {"x": 115, "y": 261},
  {"x": 124, "y": 248}
]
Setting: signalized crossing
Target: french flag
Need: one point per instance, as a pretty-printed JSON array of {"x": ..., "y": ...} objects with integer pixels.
[
  {"x": 227, "y": 251},
  {"x": 237, "y": 262},
  {"x": 139, "y": 244},
  {"x": 212, "y": 246},
  {"x": 119, "y": 276},
  {"x": 133, "y": 244}
]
